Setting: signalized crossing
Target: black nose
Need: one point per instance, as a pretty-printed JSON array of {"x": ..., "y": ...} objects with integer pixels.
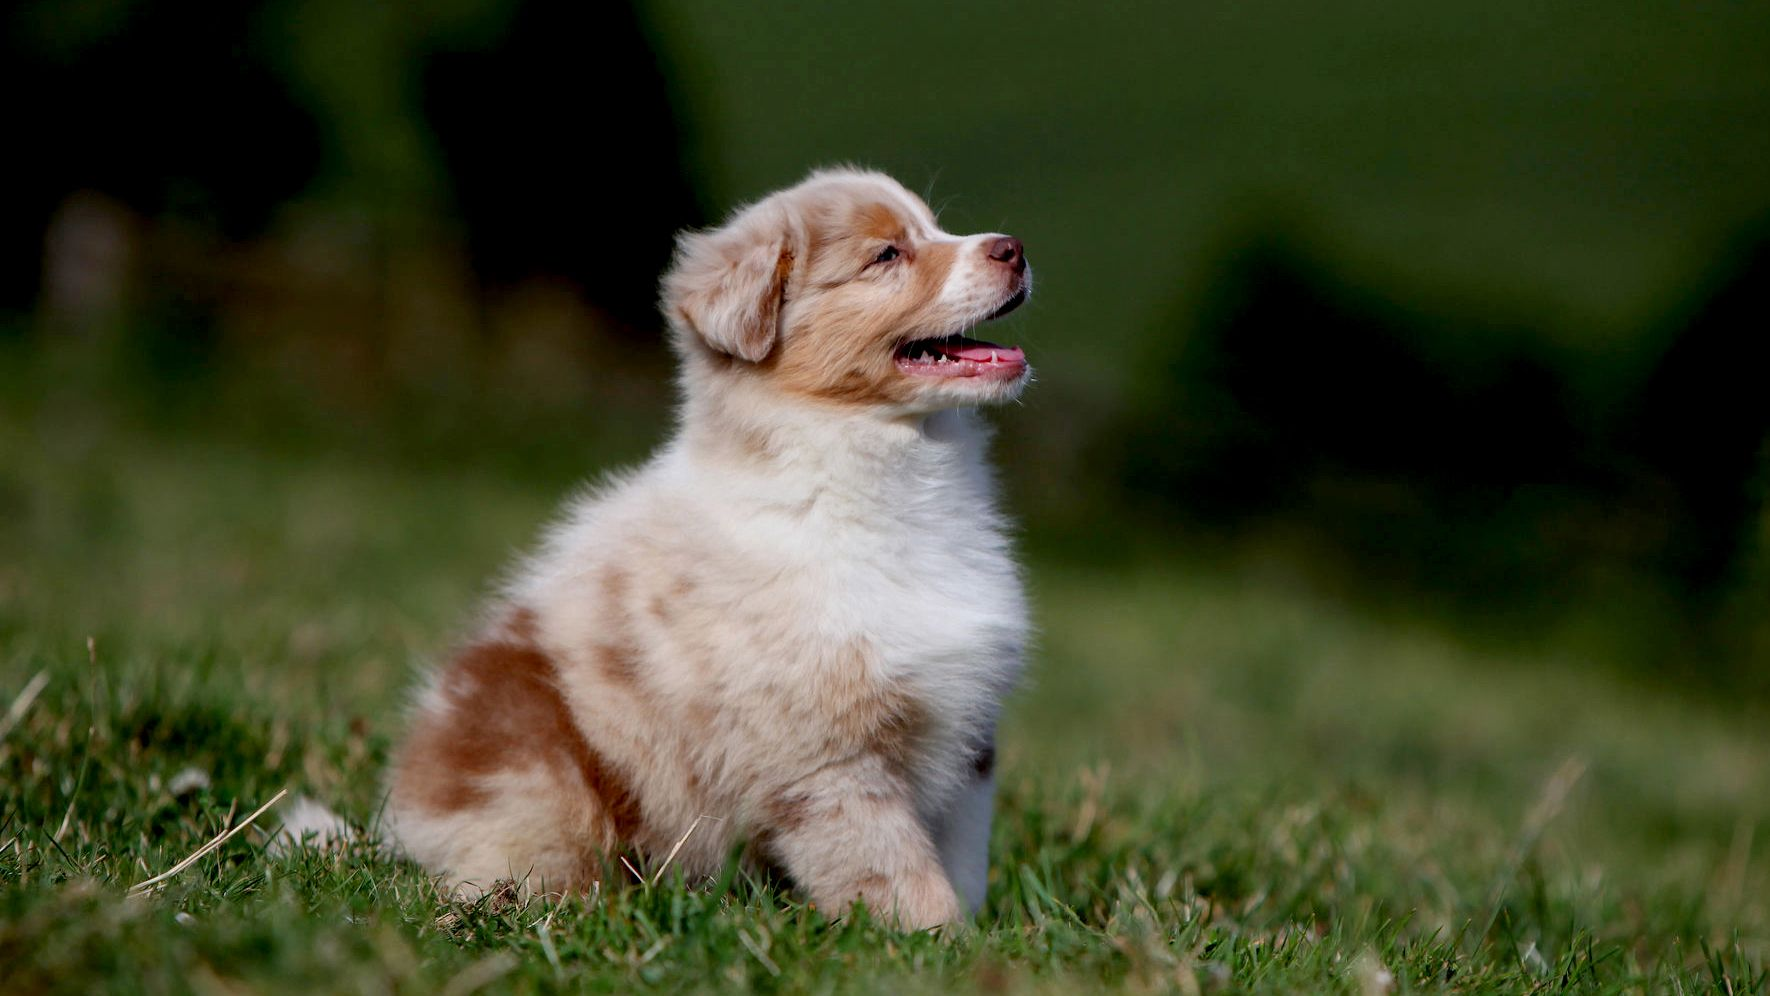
[{"x": 1008, "y": 249}]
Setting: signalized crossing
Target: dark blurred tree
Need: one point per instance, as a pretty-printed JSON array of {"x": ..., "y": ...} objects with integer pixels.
[
  {"x": 1293, "y": 372},
  {"x": 1447, "y": 451},
  {"x": 556, "y": 139},
  {"x": 1699, "y": 430},
  {"x": 564, "y": 150},
  {"x": 169, "y": 108}
]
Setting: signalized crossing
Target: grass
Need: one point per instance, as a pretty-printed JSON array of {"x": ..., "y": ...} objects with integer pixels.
[{"x": 1218, "y": 780}]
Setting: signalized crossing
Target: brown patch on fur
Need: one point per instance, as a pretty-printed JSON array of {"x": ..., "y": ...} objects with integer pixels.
[
  {"x": 841, "y": 347},
  {"x": 786, "y": 813},
  {"x": 761, "y": 329},
  {"x": 617, "y": 797},
  {"x": 520, "y": 626},
  {"x": 619, "y": 662},
  {"x": 933, "y": 264},
  {"x": 832, "y": 338},
  {"x": 879, "y": 222},
  {"x": 841, "y": 358},
  {"x": 663, "y": 602},
  {"x": 834, "y": 342},
  {"x": 783, "y": 268},
  {"x": 903, "y": 720},
  {"x": 752, "y": 443},
  {"x": 616, "y": 657},
  {"x": 614, "y": 585},
  {"x": 748, "y": 265},
  {"x": 865, "y": 716},
  {"x": 701, "y": 718},
  {"x": 856, "y": 385},
  {"x": 701, "y": 715},
  {"x": 504, "y": 711}
]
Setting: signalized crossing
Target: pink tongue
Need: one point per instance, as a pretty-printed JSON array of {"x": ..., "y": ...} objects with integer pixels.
[{"x": 982, "y": 354}]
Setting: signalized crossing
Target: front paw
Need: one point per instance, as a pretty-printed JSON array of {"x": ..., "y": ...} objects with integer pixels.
[{"x": 912, "y": 902}]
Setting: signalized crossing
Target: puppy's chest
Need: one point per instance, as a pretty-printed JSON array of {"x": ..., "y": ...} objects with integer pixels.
[{"x": 943, "y": 617}]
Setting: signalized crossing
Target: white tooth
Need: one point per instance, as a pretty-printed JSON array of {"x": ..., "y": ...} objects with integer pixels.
[{"x": 943, "y": 358}]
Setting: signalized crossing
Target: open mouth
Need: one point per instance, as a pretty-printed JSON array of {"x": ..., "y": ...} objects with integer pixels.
[{"x": 959, "y": 356}]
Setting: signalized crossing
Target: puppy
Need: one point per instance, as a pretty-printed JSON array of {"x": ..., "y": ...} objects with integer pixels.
[{"x": 795, "y": 625}]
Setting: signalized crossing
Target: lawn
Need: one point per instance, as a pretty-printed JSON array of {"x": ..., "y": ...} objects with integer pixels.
[{"x": 1219, "y": 778}]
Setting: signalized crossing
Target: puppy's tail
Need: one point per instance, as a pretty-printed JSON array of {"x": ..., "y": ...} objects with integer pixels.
[{"x": 307, "y": 823}]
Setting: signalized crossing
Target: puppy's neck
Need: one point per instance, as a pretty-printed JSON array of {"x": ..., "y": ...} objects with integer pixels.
[{"x": 753, "y": 430}]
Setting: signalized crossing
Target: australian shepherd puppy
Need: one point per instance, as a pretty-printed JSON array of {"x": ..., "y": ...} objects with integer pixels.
[{"x": 796, "y": 623}]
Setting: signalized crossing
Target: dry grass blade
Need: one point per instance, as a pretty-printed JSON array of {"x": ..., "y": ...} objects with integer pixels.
[
  {"x": 480, "y": 974},
  {"x": 544, "y": 931},
  {"x": 658, "y": 876},
  {"x": 631, "y": 870},
  {"x": 761, "y": 955},
  {"x": 140, "y": 888},
  {"x": 1548, "y": 806},
  {"x": 22, "y": 703}
]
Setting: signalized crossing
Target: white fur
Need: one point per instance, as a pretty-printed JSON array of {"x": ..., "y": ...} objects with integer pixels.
[
  {"x": 881, "y": 531},
  {"x": 793, "y": 531},
  {"x": 306, "y": 823}
]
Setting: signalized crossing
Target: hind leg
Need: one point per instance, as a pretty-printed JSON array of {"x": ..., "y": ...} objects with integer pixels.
[
  {"x": 495, "y": 780},
  {"x": 523, "y": 826}
]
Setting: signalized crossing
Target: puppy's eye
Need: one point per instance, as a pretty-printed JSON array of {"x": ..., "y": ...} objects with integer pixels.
[{"x": 887, "y": 254}]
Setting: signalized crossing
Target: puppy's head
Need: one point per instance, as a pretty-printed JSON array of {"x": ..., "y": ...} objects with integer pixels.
[{"x": 845, "y": 290}]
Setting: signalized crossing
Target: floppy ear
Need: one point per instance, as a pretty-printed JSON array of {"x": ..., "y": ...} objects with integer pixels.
[{"x": 727, "y": 288}]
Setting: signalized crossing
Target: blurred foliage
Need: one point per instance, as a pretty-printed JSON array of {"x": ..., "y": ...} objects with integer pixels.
[
  {"x": 1447, "y": 452},
  {"x": 1452, "y": 309}
]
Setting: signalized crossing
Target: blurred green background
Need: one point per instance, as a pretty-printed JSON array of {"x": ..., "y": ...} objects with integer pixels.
[{"x": 1453, "y": 311}]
